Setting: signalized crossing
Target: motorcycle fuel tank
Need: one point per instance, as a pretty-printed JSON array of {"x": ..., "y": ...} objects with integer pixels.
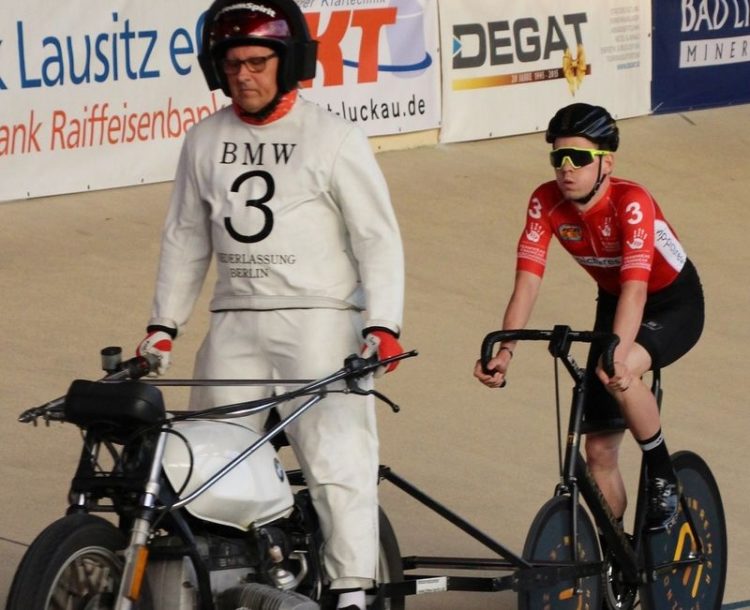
[{"x": 256, "y": 491}]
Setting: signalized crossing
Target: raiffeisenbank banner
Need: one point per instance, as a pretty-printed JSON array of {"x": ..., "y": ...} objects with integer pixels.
[
  {"x": 99, "y": 93},
  {"x": 514, "y": 63}
]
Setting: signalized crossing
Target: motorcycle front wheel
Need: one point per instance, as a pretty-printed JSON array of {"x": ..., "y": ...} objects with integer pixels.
[{"x": 76, "y": 562}]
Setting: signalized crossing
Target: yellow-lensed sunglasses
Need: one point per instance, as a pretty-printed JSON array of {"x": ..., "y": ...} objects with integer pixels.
[{"x": 577, "y": 157}]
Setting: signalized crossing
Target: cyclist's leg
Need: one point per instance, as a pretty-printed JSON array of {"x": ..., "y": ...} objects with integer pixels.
[
  {"x": 641, "y": 412},
  {"x": 602, "y": 452},
  {"x": 603, "y": 423},
  {"x": 672, "y": 323}
]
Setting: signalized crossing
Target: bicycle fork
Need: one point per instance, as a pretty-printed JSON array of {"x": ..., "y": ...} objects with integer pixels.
[{"x": 136, "y": 553}]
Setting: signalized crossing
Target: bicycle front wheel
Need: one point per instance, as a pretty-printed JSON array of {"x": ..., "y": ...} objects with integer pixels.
[
  {"x": 550, "y": 542},
  {"x": 700, "y": 532}
]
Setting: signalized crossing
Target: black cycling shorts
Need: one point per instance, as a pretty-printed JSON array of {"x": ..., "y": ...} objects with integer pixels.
[{"x": 672, "y": 324}]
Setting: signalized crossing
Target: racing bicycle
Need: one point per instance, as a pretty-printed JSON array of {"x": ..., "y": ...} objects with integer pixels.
[{"x": 563, "y": 565}]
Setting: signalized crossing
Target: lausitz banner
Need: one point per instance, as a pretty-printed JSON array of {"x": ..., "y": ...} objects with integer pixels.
[{"x": 96, "y": 95}]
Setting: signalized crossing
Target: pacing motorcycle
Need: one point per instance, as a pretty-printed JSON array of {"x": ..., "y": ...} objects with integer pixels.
[{"x": 186, "y": 510}]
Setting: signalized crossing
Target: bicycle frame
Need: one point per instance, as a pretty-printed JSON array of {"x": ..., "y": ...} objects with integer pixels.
[{"x": 576, "y": 479}]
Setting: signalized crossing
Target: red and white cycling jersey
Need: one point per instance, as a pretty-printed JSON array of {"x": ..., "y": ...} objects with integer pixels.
[{"x": 623, "y": 237}]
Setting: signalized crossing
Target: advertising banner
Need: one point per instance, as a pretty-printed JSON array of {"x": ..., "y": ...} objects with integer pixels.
[
  {"x": 701, "y": 54},
  {"x": 99, "y": 94},
  {"x": 378, "y": 62},
  {"x": 514, "y": 63},
  {"x": 96, "y": 94}
]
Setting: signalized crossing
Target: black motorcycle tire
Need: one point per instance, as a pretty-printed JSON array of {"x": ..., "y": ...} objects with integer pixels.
[
  {"x": 74, "y": 562},
  {"x": 390, "y": 564}
]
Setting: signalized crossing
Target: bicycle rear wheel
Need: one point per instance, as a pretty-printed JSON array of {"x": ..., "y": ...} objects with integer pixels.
[
  {"x": 692, "y": 586},
  {"x": 550, "y": 540}
]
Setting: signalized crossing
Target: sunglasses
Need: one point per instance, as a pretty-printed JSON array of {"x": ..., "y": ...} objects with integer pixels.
[
  {"x": 254, "y": 64},
  {"x": 577, "y": 157}
]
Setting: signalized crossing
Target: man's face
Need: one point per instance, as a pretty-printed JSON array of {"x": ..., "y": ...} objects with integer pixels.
[
  {"x": 252, "y": 84},
  {"x": 578, "y": 182}
]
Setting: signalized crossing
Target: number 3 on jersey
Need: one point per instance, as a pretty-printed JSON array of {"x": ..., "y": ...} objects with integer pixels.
[
  {"x": 635, "y": 213},
  {"x": 259, "y": 203}
]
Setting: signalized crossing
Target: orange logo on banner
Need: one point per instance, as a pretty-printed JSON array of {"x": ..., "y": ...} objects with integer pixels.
[
  {"x": 574, "y": 68},
  {"x": 330, "y": 57}
]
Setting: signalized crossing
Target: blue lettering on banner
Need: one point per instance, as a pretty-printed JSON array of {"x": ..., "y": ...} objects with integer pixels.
[
  {"x": 2, "y": 83},
  {"x": 123, "y": 53}
]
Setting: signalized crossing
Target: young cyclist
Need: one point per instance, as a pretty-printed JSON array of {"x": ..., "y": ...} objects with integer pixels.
[{"x": 649, "y": 294}]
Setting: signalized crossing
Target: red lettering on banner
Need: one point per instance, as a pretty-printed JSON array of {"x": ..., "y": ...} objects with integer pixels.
[
  {"x": 20, "y": 137},
  {"x": 329, "y": 45},
  {"x": 330, "y": 56},
  {"x": 371, "y": 22}
]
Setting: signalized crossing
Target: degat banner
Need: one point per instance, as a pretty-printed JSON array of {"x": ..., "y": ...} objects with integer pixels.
[
  {"x": 701, "y": 54},
  {"x": 99, "y": 94},
  {"x": 513, "y": 64}
]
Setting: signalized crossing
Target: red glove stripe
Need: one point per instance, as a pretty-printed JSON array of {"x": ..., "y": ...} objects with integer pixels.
[{"x": 389, "y": 346}]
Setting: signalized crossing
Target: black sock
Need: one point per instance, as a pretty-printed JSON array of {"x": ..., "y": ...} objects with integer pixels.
[{"x": 657, "y": 457}]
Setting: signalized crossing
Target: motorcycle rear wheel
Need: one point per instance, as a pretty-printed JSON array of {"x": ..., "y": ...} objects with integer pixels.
[
  {"x": 74, "y": 563},
  {"x": 390, "y": 564}
]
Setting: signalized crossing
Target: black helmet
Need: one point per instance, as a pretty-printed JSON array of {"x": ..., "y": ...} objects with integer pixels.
[
  {"x": 277, "y": 24},
  {"x": 587, "y": 121}
]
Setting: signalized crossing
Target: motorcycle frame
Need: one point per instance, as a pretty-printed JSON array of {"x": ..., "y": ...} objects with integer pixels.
[{"x": 89, "y": 487}]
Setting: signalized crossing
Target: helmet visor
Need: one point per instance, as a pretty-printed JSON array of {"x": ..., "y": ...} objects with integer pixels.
[{"x": 248, "y": 20}]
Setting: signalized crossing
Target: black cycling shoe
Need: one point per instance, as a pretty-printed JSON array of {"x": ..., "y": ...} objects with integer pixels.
[{"x": 663, "y": 503}]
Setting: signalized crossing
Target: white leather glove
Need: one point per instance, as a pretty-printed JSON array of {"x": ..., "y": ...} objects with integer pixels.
[{"x": 159, "y": 344}]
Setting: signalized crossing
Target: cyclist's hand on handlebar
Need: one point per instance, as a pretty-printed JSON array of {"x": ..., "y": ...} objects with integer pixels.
[
  {"x": 384, "y": 344},
  {"x": 497, "y": 367},
  {"x": 157, "y": 343},
  {"x": 620, "y": 381}
]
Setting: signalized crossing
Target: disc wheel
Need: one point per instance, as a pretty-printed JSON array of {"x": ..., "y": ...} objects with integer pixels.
[
  {"x": 75, "y": 563},
  {"x": 700, "y": 533},
  {"x": 550, "y": 542}
]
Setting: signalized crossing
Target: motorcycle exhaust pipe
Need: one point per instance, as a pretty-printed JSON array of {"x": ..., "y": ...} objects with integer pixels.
[{"x": 256, "y": 595}]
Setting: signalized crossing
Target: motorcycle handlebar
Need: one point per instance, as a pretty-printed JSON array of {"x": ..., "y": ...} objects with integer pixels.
[
  {"x": 134, "y": 368},
  {"x": 355, "y": 366},
  {"x": 54, "y": 410}
]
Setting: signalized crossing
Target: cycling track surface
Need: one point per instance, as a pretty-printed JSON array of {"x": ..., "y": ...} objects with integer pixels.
[{"x": 77, "y": 273}]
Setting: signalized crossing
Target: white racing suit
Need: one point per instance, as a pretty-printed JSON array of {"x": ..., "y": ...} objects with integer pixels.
[{"x": 298, "y": 218}]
